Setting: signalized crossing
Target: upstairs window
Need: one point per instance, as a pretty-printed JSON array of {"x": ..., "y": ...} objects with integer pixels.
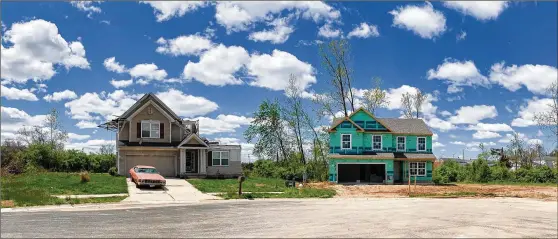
[
  {"x": 376, "y": 142},
  {"x": 346, "y": 141},
  {"x": 417, "y": 168},
  {"x": 401, "y": 143},
  {"x": 150, "y": 129},
  {"x": 421, "y": 144}
]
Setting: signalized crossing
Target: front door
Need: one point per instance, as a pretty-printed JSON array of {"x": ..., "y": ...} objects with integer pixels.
[{"x": 191, "y": 166}]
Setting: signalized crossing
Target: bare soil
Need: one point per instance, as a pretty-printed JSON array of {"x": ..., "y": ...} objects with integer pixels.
[{"x": 460, "y": 190}]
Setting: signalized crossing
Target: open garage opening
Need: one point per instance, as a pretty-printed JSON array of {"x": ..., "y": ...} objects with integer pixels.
[{"x": 361, "y": 173}]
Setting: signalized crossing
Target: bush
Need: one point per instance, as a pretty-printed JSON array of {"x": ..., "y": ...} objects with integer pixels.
[
  {"x": 84, "y": 177},
  {"x": 447, "y": 172},
  {"x": 500, "y": 173},
  {"x": 113, "y": 171},
  {"x": 541, "y": 174}
]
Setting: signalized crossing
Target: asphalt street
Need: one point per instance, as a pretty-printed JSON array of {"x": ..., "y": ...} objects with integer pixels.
[{"x": 402, "y": 217}]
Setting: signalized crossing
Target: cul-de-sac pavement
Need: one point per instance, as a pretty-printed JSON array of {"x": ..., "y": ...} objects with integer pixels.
[{"x": 393, "y": 217}]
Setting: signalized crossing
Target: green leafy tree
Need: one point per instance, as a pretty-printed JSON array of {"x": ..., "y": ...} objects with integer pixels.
[{"x": 267, "y": 131}]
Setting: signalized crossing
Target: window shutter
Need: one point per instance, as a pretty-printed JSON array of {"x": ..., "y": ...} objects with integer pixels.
[
  {"x": 209, "y": 159},
  {"x": 138, "y": 132},
  {"x": 161, "y": 130}
]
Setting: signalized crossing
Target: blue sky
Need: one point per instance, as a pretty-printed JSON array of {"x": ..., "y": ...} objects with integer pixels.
[{"x": 485, "y": 65}]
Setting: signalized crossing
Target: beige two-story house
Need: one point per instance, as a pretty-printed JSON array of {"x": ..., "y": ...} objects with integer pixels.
[{"x": 150, "y": 133}]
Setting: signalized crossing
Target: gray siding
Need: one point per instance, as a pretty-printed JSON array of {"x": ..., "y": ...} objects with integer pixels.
[
  {"x": 176, "y": 133},
  {"x": 234, "y": 168}
]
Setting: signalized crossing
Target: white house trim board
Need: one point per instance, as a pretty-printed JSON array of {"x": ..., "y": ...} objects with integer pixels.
[
  {"x": 193, "y": 136},
  {"x": 150, "y": 102}
]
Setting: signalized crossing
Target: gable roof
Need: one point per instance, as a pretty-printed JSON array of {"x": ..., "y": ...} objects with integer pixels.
[
  {"x": 340, "y": 120},
  {"x": 406, "y": 126},
  {"x": 145, "y": 99},
  {"x": 195, "y": 137}
]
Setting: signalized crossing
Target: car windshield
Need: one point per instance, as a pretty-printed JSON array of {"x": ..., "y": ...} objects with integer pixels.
[{"x": 146, "y": 170}]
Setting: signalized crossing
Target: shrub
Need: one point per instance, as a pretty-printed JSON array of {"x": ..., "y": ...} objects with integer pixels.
[
  {"x": 84, "y": 177},
  {"x": 113, "y": 171},
  {"x": 500, "y": 173},
  {"x": 541, "y": 174},
  {"x": 447, "y": 172}
]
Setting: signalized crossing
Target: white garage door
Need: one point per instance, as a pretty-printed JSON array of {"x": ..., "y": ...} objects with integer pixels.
[{"x": 166, "y": 165}]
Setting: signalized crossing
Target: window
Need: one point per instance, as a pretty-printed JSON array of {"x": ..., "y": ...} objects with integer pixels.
[
  {"x": 417, "y": 168},
  {"x": 150, "y": 129},
  {"x": 376, "y": 142},
  {"x": 220, "y": 158},
  {"x": 421, "y": 144},
  {"x": 346, "y": 141},
  {"x": 401, "y": 143}
]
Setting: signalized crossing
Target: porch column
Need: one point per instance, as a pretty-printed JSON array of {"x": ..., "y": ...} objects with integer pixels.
[
  {"x": 203, "y": 161},
  {"x": 182, "y": 160}
]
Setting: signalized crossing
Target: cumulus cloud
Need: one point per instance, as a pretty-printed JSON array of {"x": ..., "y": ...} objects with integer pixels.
[
  {"x": 536, "y": 78},
  {"x": 147, "y": 72},
  {"x": 121, "y": 83},
  {"x": 83, "y": 124},
  {"x": 458, "y": 73},
  {"x": 481, "y": 10},
  {"x": 73, "y": 136},
  {"x": 328, "y": 31},
  {"x": 92, "y": 105},
  {"x": 165, "y": 10},
  {"x": 279, "y": 34},
  {"x": 61, "y": 95},
  {"x": 111, "y": 65},
  {"x": 92, "y": 145},
  {"x": 486, "y": 135},
  {"x": 36, "y": 47},
  {"x": 473, "y": 114},
  {"x": 424, "y": 21},
  {"x": 186, "y": 105},
  {"x": 12, "y": 93},
  {"x": 218, "y": 66},
  {"x": 222, "y": 124},
  {"x": 184, "y": 45},
  {"x": 90, "y": 7},
  {"x": 364, "y": 30},
  {"x": 14, "y": 119},
  {"x": 526, "y": 115},
  {"x": 499, "y": 127}
]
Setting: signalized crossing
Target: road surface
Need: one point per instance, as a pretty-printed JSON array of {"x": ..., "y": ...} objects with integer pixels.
[{"x": 403, "y": 217}]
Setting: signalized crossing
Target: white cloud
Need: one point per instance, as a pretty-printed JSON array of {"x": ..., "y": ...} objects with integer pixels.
[
  {"x": 486, "y": 135},
  {"x": 422, "y": 20},
  {"x": 500, "y": 127},
  {"x": 147, "y": 72},
  {"x": 62, "y": 95},
  {"x": 458, "y": 142},
  {"x": 222, "y": 124},
  {"x": 364, "y": 30},
  {"x": 17, "y": 94},
  {"x": 473, "y": 114},
  {"x": 92, "y": 145},
  {"x": 186, "y": 105},
  {"x": 394, "y": 97},
  {"x": 14, "y": 119},
  {"x": 73, "y": 136},
  {"x": 435, "y": 137},
  {"x": 461, "y": 36},
  {"x": 328, "y": 31},
  {"x": 279, "y": 34},
  {"x": 534, "y": 142},
  {"x": 526, "y": 115},
  {"x": 240, "y": 16},
  {"x": 89, "y": 7},
  {"x": 445, "y": 113},
  {"x": 121, "y": 83},
  {"x": 458, "y": 73},
  {"x": 438, "y": 145},
  {"x": 165, "y": 10},
  {"x": 536, "y": 78},
  {"x": 440, "y": 124},
  {"x": 111, "y": 65},
  {"x": 82, "y": 124},
  {"x": 217, "y": 66},
  {"x": 273, "y": 71},
  {"x": 36, "y": 47},
  {"x": 184, "y": 45},
  {"x": 481, "y": 10},
  {"x": 92, "y": 105}
]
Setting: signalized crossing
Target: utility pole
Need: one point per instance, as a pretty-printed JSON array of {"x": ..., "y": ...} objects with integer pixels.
[{"x": 463, "y": 154}]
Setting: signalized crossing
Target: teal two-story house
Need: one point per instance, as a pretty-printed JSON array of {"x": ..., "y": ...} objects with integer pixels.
[{"x": 366, "y": 149}]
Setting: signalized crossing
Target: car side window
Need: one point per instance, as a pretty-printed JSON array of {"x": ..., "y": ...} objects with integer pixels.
[{"x": 136, "y": 169}]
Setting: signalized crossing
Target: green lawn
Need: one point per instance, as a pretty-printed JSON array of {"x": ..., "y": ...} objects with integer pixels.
[
  {"x": 288, "y": 193},
  {"x": 231, "y": 185},
  {"x": 514, "y": 183},
  {"x": 36, "y": 189}
]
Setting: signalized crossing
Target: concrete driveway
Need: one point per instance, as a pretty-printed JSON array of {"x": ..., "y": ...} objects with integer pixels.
[{"x": 176, "y": 191}]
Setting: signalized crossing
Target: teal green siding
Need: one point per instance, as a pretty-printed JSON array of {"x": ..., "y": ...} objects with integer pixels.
[
  {"x": 427, "y": 178},
  {"x": 362, "y": 141}
]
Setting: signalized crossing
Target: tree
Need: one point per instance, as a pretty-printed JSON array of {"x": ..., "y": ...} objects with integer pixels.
[
  {"x": 267, "y": 130},
  {"x": 375, "y": 98},
  {"x": 549, "y": 119},
  {"x": 516, "y": 150},
  {"x": 294, "y": 113},
  {"x": 407, "y": 104},
  {"x": 412, "y": 104},
  {"x": 50, "y": 132},
  {"x": 335, "y": 57},
  {"x": 419, "y": 99},
  {"x": 107, "y": 149}
]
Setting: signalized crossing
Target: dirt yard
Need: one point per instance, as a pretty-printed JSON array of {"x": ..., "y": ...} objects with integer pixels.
[{"x": 460, "y": 190}]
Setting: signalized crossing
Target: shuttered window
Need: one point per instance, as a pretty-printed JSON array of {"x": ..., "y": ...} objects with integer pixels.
[{"x": 150, "y": 128}]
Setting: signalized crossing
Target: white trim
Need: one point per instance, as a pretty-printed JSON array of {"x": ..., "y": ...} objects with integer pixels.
[
  {"x": 221, "y": 159},
  {"x": 150, "y": 102},
  {"x": 151, "y": 123},
  {"x": 350, "y": 141},
  {"x": 418, "y": 144},
  {"x": 195, "y": 136},
  {"x": 404, "y": 143},
  {"x": 417, "y": 168},
  {"x": 337, "y": 169},
  {"x": 170, "y": 131},
  {"x": 381, "y": 142}
]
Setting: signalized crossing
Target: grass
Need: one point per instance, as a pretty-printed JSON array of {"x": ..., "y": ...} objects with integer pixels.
[
  {"x": 229, "y": 185},
  {"x": 59, "y": 201},
  {"x": 287, "y": 193},
  {"x": 514, "y": 183},
  {"x": 37, "y": 189},
  {"x": 452, "y": 195}
]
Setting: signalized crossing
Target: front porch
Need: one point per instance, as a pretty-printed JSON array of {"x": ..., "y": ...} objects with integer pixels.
[{"x": 193, "y": 162}]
